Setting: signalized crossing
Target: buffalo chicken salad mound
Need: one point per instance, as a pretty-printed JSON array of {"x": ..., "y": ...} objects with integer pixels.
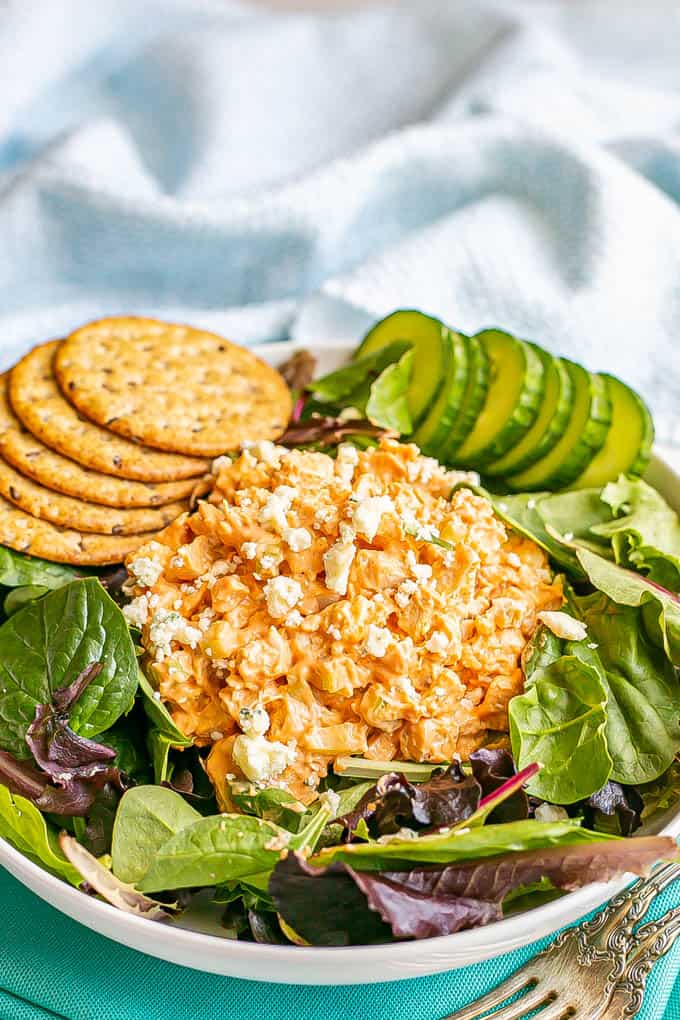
[
  {"x": 304, "y": 613},
  {"x": 401, "y": 667}
]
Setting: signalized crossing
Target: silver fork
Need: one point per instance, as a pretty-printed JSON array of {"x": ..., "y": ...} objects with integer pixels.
[
  {"x": 649, "y": 943},
  {"x": 554, "y": 981}
]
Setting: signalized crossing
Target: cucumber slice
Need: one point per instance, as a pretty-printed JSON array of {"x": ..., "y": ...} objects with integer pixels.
[
  {"x": 512, "y": 401},
  {"x": 479, "y": 374},
  {"x": 629, "y": 442},
  {"x": 435, "y": 429},
  {"x": 431, "y": 354},
  {"x": 549, "y": 425},
  {"x": 584, "y": 435}
]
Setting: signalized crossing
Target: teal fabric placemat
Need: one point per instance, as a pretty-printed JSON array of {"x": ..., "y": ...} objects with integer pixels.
[{"x": 51, "y": 966}]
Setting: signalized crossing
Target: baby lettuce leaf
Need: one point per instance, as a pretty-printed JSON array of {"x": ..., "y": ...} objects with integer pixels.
[
  {"x": 46, "y": 645},
  {"x": 23, "y": 825},
  {"x": 661, "y": 794},
  {"x": 540, "y": 651},
  {"x": 147, "y": 817},
  {"x": 60, "y": 753},
  {"x": 163, "y": 734},
  {"x": 630, "y": 589},
  {"x": 325, "y": 907},
  {"x": 158, "y": 714},
  {"x": 449, "y": 847},
  {"x": 393, "y": 803},
  {"x": 578, "y": 512},
  {"x": 120, "y": 895},
  {"x": 272, "y": 804},
  {"x": 214, "y": 850},
  {"x": 560, "y": 721},
  {"x": 644, "y": 528},
  {"x": 387, "y": 404},
  {"x": 504, "y": 798},
  {"x": 643, "y": 694},
  {"x": 350, "y": 384},
  {"x": 521, "y": 512},
  {"x": 641, "y": 704},
  {"x": 614, "y": 808},
  {"x": 71, "y": 769},
  {"x": 17, "y": 598},
  {"x": 17, "y": 570},
  {"x": 321, "y": 904},
  {"x": 126, "y": 738}
]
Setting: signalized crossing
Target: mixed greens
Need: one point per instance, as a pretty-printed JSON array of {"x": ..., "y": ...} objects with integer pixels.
[{"x": 99, "y": 787}]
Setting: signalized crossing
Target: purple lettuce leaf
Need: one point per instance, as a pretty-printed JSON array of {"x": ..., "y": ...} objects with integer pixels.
[
  {"x": 417, "y": 915},
  {"x": 492, "y": 768},
  {"x": 71, "y": 770},
  {"x": 329, "y": 431},
  {"x": 566, "y": 867},
  {"x": 323, "y": 907},
  {"x": 59, "y": 752},
  {"x": 393, "y": 803},
  {"x": 622, "y": 804},
  {"x": 72, "y": 799}
]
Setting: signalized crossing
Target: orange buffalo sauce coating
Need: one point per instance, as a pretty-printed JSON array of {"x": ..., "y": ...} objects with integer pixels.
[{"x": 306, "y": 611}]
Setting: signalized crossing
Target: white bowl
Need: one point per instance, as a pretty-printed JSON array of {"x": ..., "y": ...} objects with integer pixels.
[{"x": 195, "y": 940}]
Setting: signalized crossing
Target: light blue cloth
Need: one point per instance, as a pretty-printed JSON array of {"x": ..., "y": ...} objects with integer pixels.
[{"x": 511, "y": 164}]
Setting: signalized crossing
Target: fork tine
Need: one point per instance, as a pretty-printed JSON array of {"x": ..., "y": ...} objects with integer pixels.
[
  {"x": 517, "y": 982},
  {"x": 535, "y": 997},
  {"x": 555, "y": 1010}
]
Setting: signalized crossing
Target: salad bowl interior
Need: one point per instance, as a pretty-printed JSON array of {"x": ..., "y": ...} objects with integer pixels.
[{"x": 197, "y": 941}]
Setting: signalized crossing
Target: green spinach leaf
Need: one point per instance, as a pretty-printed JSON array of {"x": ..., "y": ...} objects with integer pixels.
[
  {"x": 387, "y": 404},
  {"x": 147, "y": 817},
  {"x": 159, "y": 747},
  {"x": 17, "y": 570},
  {"x": 127, "y": 740},
  {"x": 560, "y": 722},
  {"x": 17, "y": 598},
  {"x": 48, "y": 643},
  {"x": 163, "y": 734},
  {"x": 351, "y": 383},
  {"x": 215, "y": 850},
  {"x": 22, "y": 824},
  {"x": 158, "y": 714}
]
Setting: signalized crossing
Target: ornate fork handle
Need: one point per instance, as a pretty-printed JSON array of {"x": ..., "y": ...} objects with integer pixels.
[
  {"x": 608, "y": 934},
  {"x": 651, "y": 942}
]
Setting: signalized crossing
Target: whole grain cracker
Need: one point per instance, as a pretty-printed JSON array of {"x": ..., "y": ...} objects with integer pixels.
[
  {"x": 47, "y": 467},
  {"x": 171, "y": 386},
  {"x": 38, "y": 402},
  {"x": 68, "y": 512},
  {"x": 28, "y": 534}
]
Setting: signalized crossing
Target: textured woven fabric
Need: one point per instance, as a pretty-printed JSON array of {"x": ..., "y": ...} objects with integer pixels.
[
  {"x": 48, "y": 960},
  {"x": 494, "y": 163}
]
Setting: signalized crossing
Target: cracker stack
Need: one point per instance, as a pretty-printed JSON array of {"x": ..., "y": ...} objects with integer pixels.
[{"x": 103, "y": 435}]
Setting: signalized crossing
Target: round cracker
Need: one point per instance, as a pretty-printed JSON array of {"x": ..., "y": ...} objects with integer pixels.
[
  {"x": 28, "y": 534},
  {"x": 47, "y": 467},
  {"x": 39, "y": 403},
  {"x": 68, "y": 512},
  {"x": 170, "y": 386}
]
